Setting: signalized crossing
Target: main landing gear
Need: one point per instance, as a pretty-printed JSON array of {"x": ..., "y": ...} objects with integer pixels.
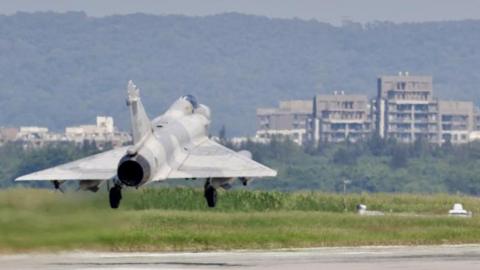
[
  {"x": 57, "y": 185},
  {"x": 115, "y": 196},
  {"x": 210, "y": 193}
]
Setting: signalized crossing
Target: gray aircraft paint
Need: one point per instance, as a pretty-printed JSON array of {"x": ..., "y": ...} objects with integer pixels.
[{"x": 175, "y": 145}]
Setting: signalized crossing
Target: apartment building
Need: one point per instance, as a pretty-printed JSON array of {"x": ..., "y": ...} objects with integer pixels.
[
  {"x": 340, "y": 117},
  {"x": 406, "y": 109},
  {"x": 457, "y": 121},
  {"x": 288, "y": 120}
]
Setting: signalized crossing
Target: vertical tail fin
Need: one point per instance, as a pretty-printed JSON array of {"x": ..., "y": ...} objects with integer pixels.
[{"x": 141, "y": 125}]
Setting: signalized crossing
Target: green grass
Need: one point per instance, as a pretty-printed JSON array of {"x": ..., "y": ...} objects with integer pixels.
[{"x": 177, "y": 219}]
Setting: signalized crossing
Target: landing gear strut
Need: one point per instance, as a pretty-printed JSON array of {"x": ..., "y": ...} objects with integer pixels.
[
  {"x": 115, "y": 196},
  {"x": 210, "y": 193},
  {"x": 56, "y": 185}
]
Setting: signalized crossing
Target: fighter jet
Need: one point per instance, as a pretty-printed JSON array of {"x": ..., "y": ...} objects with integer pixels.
[{"x": 175, "y": 145}]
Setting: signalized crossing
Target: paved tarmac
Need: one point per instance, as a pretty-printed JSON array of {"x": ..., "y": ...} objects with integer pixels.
[{"x": 427, "y": 257}]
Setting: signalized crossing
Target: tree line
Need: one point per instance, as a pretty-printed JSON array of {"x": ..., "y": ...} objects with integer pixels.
[{"x": 373, "y": 165}]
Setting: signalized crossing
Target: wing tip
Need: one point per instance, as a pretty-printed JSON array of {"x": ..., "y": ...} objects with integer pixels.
[
  {"x": 21, "y": 178},
  {"x": 272, "y": 173},
  {"x": 268, "y": 173},
  {"x": 27, "y": 177}
]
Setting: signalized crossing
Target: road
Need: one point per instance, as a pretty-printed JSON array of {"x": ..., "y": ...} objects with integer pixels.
[{"x": 424, "y": 257}]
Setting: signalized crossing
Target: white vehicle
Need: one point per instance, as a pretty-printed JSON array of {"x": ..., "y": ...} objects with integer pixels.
[
  {"x": 174, "y": 145},
  {"x": 458, "y": 211}
]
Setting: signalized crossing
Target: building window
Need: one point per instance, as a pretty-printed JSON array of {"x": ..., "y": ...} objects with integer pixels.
[{"x": 447, "y": 118}]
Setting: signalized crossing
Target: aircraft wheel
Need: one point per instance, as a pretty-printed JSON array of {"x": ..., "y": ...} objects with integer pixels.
[
  {"x": 115, "y": 196},
  {"x": 211, "y": 196}
]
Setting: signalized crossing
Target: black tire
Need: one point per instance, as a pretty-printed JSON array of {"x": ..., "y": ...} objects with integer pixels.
[
  {"x": 211, "y": 196},
  {"x": 115, "y": 197}
]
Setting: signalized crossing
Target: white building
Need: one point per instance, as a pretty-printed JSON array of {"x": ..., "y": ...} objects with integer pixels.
[
  {"x": 101, "y": 133},
  {"x": 36, "y": 136},
  {"x": 33, "y": 130},
  {"x": 103, "y": 128}
]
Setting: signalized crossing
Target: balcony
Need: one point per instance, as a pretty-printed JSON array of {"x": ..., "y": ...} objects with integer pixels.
[
  {"x": 400, "y": 130},
  {"x": 422, "y": 120},
  {"x": 400, "y": 120}
]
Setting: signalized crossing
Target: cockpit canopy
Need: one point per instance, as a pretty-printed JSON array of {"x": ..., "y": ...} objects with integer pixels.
[
  {"x": 185, "y": 105},
  {"x": 191, "y": 99}
]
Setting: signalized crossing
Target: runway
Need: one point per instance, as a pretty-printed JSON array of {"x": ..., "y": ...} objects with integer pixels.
[{"x": 427, "y": 257}]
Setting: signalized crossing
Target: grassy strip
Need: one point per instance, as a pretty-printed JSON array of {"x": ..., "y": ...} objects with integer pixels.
[
  {"x": 244, "y": 200},
  {"x": 36, "y": 220}
]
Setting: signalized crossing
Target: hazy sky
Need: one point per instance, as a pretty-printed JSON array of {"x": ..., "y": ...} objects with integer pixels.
[{"x": 333, "y": 11}]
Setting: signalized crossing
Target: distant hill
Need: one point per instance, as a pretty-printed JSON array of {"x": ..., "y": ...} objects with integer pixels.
[{"x": 62, "y": 69}]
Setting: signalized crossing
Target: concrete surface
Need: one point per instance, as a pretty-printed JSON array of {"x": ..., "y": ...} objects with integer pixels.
[{"x": 427, "y": 257}]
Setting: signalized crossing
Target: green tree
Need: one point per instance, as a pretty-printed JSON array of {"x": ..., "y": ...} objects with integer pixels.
[{"x": 399, "y": 157}]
